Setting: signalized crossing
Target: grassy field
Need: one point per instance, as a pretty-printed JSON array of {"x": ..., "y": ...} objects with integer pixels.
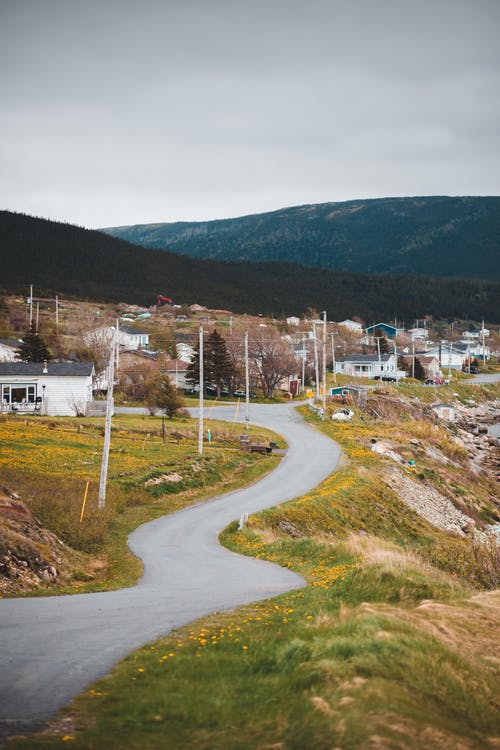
[
  {"x": 48, "y": 461},
  {"x": 392, "y": 645}
]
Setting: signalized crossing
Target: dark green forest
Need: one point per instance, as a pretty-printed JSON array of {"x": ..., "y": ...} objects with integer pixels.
[
  {"x": 437, "y": 235},
  {"x": 64, "y": 259}
]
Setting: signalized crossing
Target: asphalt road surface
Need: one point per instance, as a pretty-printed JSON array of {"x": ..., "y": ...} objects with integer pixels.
[{"x": 52, "y": 648}]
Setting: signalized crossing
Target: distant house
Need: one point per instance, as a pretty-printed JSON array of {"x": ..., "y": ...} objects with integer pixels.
[
  {"x": 128, "y": 337},
  {"x": 352, "y": 325},
  {"x": 387, "y": 330},
  {"x": 418, "y": 334},
  {"x": 367, "y": 366},
  {"x": 8, "y": 349},
  {"x": 132, "y": 338},
  {"x": 293, "y": 321},
  {"x": 429, "y": 363},
  {"x": 449, "y": 356},
  {"x": 53, "y": 388},
  {"x": 477, "y": 333}
]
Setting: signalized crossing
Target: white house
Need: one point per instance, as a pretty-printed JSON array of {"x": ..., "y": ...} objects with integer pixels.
[
  {"x": 128, "y": 337},
  {"x": 54, "y": 388},
  {"x": 477, "y": 333},
  {"x": 132, "y": 338},
  {"x": 367, "y": 366},
  {"x": 293, "y": 321},
  {"x": 8, "y": 349},
  {"x": 418, "y": 334},
  {"x": 449, "y": 356},
  {"x": 351, "y": 325}
]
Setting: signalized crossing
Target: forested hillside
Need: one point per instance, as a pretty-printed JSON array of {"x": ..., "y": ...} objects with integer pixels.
[
  {"x": 441, "y": 236},
  {"x": 65, "y": 259}
]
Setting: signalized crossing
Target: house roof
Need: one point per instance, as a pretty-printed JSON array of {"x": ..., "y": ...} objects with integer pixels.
[
  {"x": 364, "y": 358},
  {"x": 133, "y": 331},
  {"x": 55, "y": 369},
  {"x": 14, "y": 343},
  {"x": 379, "y": 325}
]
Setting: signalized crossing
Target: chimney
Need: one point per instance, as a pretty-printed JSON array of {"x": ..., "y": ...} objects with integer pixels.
[{"x": 45, "y": 371}]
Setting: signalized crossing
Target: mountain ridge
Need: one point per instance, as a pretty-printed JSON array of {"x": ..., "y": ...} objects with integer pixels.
[
  {"x": 453, "y": 236},
  {"x": 61, "y": 258}
]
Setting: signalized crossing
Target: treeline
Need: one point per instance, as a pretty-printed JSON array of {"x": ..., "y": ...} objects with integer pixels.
[{"x": 65, "y": 259}]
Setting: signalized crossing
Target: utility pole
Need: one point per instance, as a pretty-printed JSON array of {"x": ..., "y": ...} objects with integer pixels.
[
  {"x": 117, "y": 348},
  {"x": 324, "y": 363},
  {"x": 31, "y": 304},
  {"x": 396, "y": 358},
  {"x": 247, "y": 383},
  {"x": 37, "y": 314},
  {"x": 57, "y": 311},
  {"x": 413, "y": 358},
  {"x": 333, "y": 359},
  {"x": 316, "y": 366},
  {"x": 200, "y": 419},
  {"x": 303, "y": 361},
  {"x": 484, "y": 354},
  {"x": 107, "y": 428}
]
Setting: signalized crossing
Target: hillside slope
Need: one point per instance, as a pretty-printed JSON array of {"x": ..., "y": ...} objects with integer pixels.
[
  {"x": 65, "y": 259},
  {"x": 440, "y": 236}
]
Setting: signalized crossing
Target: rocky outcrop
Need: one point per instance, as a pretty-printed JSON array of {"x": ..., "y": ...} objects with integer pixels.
[
  {"x": 429, "y": 503},
  {"x": 30, "y": 556}
]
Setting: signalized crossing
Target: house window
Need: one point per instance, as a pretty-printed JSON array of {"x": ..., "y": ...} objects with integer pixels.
[{"x": 19, "y": 393}]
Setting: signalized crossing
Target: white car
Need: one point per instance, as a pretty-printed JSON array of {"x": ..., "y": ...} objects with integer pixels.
[{"x": 343, "y": 415}]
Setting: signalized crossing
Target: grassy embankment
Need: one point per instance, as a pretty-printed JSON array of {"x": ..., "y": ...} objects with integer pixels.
[
  {"x": 391, "y": 644},
  {"x": 47, "y": 462}
]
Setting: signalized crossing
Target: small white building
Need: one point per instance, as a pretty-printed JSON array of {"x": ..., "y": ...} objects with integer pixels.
[
  {"x": 418, "y": 334},
  {"x": 54, "y": 388},
  {"x": 129, "y": 338},
  {"x": 352, "y": 325},
  {"x": 368, "y": 366},
  {"x": 132, "y": 338},
  {"x": 444, "y": 411},
  {"x": 293, "y": 321}
]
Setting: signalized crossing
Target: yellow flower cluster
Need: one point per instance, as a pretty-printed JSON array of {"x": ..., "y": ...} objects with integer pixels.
[{"x": 325, "y": 576}]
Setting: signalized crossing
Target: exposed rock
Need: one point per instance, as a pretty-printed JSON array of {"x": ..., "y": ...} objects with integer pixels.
[
  {"x": 429, "y": 503},
  {"x": 30, "y": 555}
]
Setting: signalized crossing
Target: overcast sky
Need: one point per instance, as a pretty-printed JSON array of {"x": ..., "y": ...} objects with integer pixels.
[{"x": 132, "y": 111}]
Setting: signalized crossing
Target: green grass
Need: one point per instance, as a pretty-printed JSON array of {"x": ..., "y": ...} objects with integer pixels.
[
  {"x": 391, "y": 645},
  {"x": 48, "y": 462}
]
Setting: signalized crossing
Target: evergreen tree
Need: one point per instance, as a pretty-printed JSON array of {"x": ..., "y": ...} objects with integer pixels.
[
  {"x": 384, "y": 344},
  {"x": 419, "y": 370},
  {"x": 218, "y": 369},
  {"x": 221, "y": 370},
  {"x": 33, "y": 348}
]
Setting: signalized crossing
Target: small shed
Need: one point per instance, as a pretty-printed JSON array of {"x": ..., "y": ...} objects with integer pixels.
[{"x": 445, "y": 411}]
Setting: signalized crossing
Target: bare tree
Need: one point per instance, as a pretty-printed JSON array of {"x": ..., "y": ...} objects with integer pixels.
[{"x": 272, "y": 357}]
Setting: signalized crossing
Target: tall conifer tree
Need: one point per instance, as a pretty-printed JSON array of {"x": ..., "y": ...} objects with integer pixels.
[{"x": 33, "y": 348}]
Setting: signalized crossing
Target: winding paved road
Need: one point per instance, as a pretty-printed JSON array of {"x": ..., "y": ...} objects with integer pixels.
[{"x": 52, "y": 648}]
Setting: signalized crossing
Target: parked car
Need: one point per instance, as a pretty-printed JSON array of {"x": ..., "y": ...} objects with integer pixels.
[
  {"x": 343, "y": 415},
  {"x": 386, "y": 378}
]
